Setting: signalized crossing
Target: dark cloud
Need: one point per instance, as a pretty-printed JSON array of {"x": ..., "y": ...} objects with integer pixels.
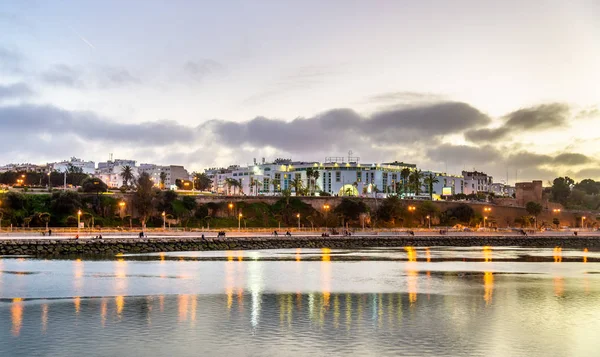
[
  {"x": 571, "y": 159},
  {"x": 464, "y": 154},
  {"x": 528, "y": 159},
  {"x": 62, "y": 74},
  {"x": 486, "y": 135},
  {"x": 342, "y": 127},
  {"x": 540, "y": 117},
  {"x": 593, "y": 173},
  {"x": 544, "y": 116},
  {"x": 49, "y": 120},
  {"x": 15, "y": 90}
]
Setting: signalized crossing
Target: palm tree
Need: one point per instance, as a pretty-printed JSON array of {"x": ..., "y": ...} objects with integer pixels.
[
  {"x": 415, "y": 179},
  {"x": 404, "y": 174},
  {"x": 163, "y": 180},
  {"x": 229, "y": 182},
  {"x": 309, "y": 177},
  {"x": 127, "y": 175},
  {"x": 240, "y": 186},
  {"x": 315, "y": 175},
  {"x": 45, "y": 217},
  {"x": 276, "y": 185},
  {"x": 429, "y": 181},
  {"x": 297, "y": 184}
]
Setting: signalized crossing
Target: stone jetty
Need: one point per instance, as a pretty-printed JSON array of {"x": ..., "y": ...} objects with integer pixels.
[{"x": 112, "y": 246}]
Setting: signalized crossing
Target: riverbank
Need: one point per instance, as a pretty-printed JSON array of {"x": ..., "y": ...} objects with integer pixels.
[{"x": 106, "y": 247}]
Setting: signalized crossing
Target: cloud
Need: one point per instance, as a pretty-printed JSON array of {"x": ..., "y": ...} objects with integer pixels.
[
  {"x": 49, "y": 120},
  {"x": 540, "y": 117},
  {"x": 62, "y": 74},
  {"x": 113, "y": 76},
  {"x": 405, "y": 97},
  {"x": 199, "y": 70},
  {"x": 340, "y": 128},
  {"x": 528, "y": 159},
  {"x": 593, "y": 173},
  {"x": 571, "y": 159},
  {"x": 464, "y": 154},
  {"x": 15, "y": 90},
  {"x": 545, "y": 116}
]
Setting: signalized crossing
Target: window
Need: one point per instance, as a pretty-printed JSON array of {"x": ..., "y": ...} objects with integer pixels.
[
  {"x": 338, "y": 176},
  {"x": 358, "y": 176}
]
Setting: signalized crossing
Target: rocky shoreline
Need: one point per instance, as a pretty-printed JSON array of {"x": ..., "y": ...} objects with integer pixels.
[{"x": 106, "y": 247}]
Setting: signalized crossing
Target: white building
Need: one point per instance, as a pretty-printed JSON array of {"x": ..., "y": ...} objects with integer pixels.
[
  {"x": 87, "y": 167},
  {"x": 475, "y": 181},
  {"x": 336, "y": 176},
  {"x": 110, "y": 172},
  {"x": 446, "y": 185},
  {"x": 172, "y": 173},
  {"x": 502, "y": 189},
  {"x": 25, "y": 167}
]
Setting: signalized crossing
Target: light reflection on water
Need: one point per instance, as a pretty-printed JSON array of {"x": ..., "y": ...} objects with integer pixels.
[{"x": 429, "y": 302}]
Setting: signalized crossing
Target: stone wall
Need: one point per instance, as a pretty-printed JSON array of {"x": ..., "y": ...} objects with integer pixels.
[{"x": 110, "y": 247}]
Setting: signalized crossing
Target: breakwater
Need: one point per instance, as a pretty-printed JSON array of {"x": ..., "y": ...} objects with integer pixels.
[{"x": 104, "y": 247}]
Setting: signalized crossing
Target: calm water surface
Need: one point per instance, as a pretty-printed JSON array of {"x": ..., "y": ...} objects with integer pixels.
[{"x": 375, "y": 302}]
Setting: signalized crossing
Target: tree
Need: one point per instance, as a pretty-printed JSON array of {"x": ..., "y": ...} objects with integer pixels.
[
  {"x": 65, "y": 203},
  {"x": 588, "y": 186},
  {"x": 462, "y": 213},
  {"x": 556, "y": 222},
  {"x": 429, "y": 181},
  {"x": 533, "y": 208},
  {"x": 201, "y": 181},
  {"x": 127, "y": 175},
  {"x": 351, "y": 209},
  {"x": 415, "y": 181},
  {"x": 163, "y": 180},
  {"x": 93, "y": 184},
  {"x": 44, "y": 217},
  {"x": 297, "y": 184},
  {"x": 309, "y": 177},
  {"x": 144, "y": 197},
  {"x": 561, "y": 188},
  {"x": 391, "y": 210}
]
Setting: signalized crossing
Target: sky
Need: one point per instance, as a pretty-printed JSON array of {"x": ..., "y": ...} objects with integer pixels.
[{"x": 509, "y": 88}]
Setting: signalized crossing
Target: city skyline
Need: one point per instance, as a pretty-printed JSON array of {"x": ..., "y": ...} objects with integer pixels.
[{"x": 505, "y": 88}]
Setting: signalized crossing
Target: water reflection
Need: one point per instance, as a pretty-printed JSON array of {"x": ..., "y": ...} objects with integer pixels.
[
  {"x": 557, "y": 255},
  {"x": 16, "y": 313}
]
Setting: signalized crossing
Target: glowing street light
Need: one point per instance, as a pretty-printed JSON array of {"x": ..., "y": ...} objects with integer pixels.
[
  {"x": 78, "y": 221},
  {"x": 326, "y": 208},
  {"x": 230, "y": 205},
  {"x": 298, "y": 215},
  {"x": 429, "y": 221},
  {"x": 164, "y": 216},
  {"x": 484, "y": 219},
  {"x": 582, "y": 219},
  {"x": 556, "y": 210},
  {"x": 240, "y": 222}
]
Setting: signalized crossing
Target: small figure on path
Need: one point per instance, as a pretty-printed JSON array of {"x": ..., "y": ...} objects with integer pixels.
[
  {"x": 49, "y": 232},
  {"x": 411, "y": 233},
  {"x": 275, "y": 233},
  {"x": 77, "y": 236},
  {"x": 288, "y": 234},
  {"x": 575, "y": 233},
  {"x": 202, "y": 236}
]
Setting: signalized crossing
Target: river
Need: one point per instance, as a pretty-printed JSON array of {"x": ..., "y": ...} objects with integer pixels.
[{"x": 478, "y": 301}]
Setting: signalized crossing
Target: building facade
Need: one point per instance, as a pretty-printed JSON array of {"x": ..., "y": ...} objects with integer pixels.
[
  {"x": 111, "y": 171},
  {"x": 475, "y": 181},
  {"x": 335, "y": 176},
  {"x": 86, "y": 167},
  {"x": 172, "y": 173}
]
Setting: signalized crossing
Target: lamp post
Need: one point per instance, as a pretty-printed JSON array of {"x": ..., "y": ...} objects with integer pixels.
[
  {"x": 326, "y": 208},
  {"x": 121, "y": 207},
  {"x": 298, "y": 216},
  {"x": 164, "y": 216},
  {"x": 230, "y": 208},
  {"x": 411, "y": 209},
  {"x": 484, "y": 219},
  {"x": 429, "y": 221},
  {"x": 78, "y": 221},
  {"x": 486, "y": 210},
  {"x": 240, "y": 222},
  {"x": 582, "y": 219}
]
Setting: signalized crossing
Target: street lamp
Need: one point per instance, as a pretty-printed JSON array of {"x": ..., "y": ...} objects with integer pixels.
[
  {"x": 121, "y": 207},
  {"x": 411, "y": 209},
  {"x": 429, "y": 221},
  {"x": 230, "y": 208},
  {"x": 582, "y": 219},
  {"x": 164, "y": 216},
  {"x": 326, "y": 208},
  {"x": 556, "y": 210},
  {"x": 484, "y": 218},
  {"x": 78, "y": 221},
  {"x": 240, "y": 222},
  {"x": 298, "y": 215}
]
